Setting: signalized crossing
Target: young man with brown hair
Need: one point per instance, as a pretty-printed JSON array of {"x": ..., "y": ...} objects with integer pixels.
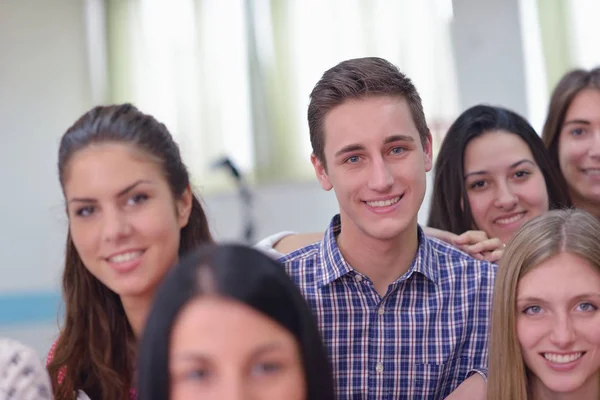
[{"x": 402, "y": 315}]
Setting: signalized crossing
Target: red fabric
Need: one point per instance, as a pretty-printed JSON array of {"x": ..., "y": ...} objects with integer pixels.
[{"x": 61, "y": 373}]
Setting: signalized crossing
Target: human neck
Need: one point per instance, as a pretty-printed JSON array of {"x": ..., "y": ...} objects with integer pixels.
[
  {"x": 593, "y": 207},
  {"x": 382, "y": 261},
  {"x": 588, "y": 391},
  {"x": 137, "y": 309}
]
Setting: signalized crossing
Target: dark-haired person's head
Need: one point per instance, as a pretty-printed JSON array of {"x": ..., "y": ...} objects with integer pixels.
[
  {"x": 131, "y": 213},
  {"x": 228, "y": 323},
  {"x": 493, "y": 174}
]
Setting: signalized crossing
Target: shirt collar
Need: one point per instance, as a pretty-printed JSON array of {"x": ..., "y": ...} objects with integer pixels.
[{"x": 334, "y": 266}]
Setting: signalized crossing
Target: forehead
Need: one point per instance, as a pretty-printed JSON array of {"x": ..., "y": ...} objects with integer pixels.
[
  {"x": 197, "y": 320},
  {"x": 585, "y": 105},
  {"x": 496, "y": 150},
  {"x": 101, "y": 168},
  {"x": 368, "y": 121},
  {"x": 562, "y": 276}
]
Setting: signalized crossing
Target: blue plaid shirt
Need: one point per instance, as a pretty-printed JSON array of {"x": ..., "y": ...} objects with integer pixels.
[{"x": 420, "y": 341}]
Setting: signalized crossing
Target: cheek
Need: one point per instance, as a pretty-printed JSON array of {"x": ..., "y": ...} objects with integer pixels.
[
  {"x": 527, "y": 334},
  {"x": 84, "y": 238},
  {"x": 536, "y": 194},
  {"x": 570, "y": 152},
  {"x": 479, "y": 204}
]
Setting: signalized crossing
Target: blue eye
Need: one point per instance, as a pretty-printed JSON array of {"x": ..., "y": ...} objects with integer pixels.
[
  {"x": 586, "y": 307},
  {"x": 577, "y": 132},
  {"x": 532, "y": 310},
  {"x": 353, "y": 159},
  {"x": 397, "y": 150}
]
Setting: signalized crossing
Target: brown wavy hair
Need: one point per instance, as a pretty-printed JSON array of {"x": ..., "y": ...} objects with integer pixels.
[{"x": 96, "y": 347}]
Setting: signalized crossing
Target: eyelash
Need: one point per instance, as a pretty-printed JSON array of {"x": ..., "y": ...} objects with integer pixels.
[
  {"x": 577, "y": 132},
  {"x": 87, "y": 211},
  {"x": 401, "y": 151},
  {"x": 267, "y": 368},
  {"x": 527, "y": 310},
  {"x": 481, "y": 183},
  {"x": 593, "y": 307}
]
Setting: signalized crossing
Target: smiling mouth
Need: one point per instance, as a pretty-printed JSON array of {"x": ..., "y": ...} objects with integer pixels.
[
  {"x": 125, "y": 257},
  {"x": 562, "y": 358},
  {"x": 510, "y": 220},
  {"x": 384, "y": 203},
  {"x": 591, "y": 171}
]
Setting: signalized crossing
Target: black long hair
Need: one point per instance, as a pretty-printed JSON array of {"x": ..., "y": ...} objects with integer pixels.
[
  {"x": 450, "y": 209},
  {"x": 245, "y": 275}
]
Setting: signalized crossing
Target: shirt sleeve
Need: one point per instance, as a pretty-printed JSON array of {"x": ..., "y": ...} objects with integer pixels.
[
  {"x": 477, "y": 349},
  {"x": 22, "y": 373}
]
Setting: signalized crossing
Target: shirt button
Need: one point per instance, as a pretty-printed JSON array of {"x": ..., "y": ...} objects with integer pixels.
[
  {"x": 381, "y": 310},
  {"x": 379, "y": 368},
  {"x": 358, "y": 278}
]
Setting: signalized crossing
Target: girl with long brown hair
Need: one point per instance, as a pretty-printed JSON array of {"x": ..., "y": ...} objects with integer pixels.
[
  {"x": 131, "y": 215},
  {"x": 572, "y": 135}
]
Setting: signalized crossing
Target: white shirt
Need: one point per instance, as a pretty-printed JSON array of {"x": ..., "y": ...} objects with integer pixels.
[{"x": 22, "y": 373}]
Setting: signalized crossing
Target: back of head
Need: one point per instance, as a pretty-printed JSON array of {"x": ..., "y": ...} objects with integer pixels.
[
  {"x": 242, "y": 274},
  {"x": 559, "y": 231},
  {"x": 570, "y": 85},
  {"x": 96, "y": 341},
  {"x": 355, "y": 79},
  {"x": 450, "y": 209}
]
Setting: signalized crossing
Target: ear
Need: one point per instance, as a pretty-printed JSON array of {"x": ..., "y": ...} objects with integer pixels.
[
  {"x": 321, "y": 172},
  {"x": 184, "y": 207},
  {"x": 428, "y": 152}
]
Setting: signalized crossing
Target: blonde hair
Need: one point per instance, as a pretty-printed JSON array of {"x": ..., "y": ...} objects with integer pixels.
[{"x": 558, "y": 231}]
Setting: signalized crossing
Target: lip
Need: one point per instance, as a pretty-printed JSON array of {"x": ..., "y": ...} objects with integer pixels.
[
  {"x": 509, "y": 216},
  {"x": 595, "y": 172},
  {"x": 563, "y": 367},
  {"x": 384, "y": 209},
  {"x": 125, "y": 266}
]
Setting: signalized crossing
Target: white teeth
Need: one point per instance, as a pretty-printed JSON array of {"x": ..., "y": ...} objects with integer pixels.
[
  {"x": 124, "y": 257},
  {"x": 592, "y": 171},
  {"x": 562, "y": 358},
  {"x": 506, "y": 221},
  {"x": 383, "y": 203}
]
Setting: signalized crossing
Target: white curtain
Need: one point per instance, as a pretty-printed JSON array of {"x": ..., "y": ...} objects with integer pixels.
[{"x": 232, "y": 77}]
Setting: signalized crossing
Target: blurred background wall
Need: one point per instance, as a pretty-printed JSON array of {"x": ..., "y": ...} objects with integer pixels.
[{"x": 231, "y": 78}]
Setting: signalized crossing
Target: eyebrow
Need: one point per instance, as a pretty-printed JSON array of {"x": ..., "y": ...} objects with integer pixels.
[
  {"x": 357, "y": 147},
  {"x": 201, "y": 357},
  {"x": 577, "y": 122},
  {"x": 120, "y": 194},
  {"x": 530, "y": 299},
  {"x": 511, "y": 166}
]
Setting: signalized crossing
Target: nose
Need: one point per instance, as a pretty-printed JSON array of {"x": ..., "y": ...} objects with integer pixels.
[
  {"x": 234, "y": 389},
  {"x": 381, "y": 178},
  {"x": 115, "y": 225},
  {"x": 505, "y": 197},
  {"x": 562, "y": 334},
  {"x": 594, "y": 150}
]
